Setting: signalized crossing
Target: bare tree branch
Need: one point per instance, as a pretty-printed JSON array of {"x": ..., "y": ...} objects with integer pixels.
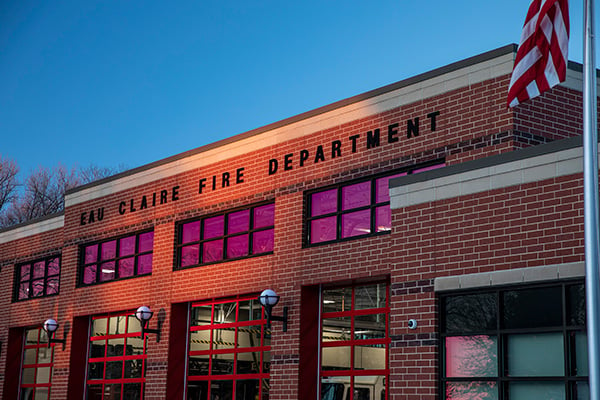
[{"x": 8, "y": 181}]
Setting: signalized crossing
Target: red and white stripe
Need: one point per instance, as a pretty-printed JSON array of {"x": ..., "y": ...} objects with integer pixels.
[{"x": 542, "y": 56}]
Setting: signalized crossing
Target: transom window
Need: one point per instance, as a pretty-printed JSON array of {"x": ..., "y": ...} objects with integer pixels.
[
  {"x": 353, "y": 209},
  {"x": 120, "y": 258},
  {"x": 38, "y": 278},
  {"x": 355, "y": 342},
  {"x": 518, "y": 343},
  {"x": 232, "y": 235},
  {"x": 117, "y": 358},
  {"x": 229, "y": 350},
  {"x": 38, "y": 362}
]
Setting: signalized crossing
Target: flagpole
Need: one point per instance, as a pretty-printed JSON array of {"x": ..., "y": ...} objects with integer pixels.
[{"x": 590, "y": 198}]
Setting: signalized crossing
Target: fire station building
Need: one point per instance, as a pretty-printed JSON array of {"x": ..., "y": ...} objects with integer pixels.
[{"x": 424, "y": 242}]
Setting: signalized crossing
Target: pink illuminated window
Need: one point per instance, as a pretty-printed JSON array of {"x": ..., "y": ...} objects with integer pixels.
[
  {"x": 353, "y": 210},
  {"x": 38, "y": 278},
  {"x": 115, "y": 259},
  {"x": 233, "y": 235}
]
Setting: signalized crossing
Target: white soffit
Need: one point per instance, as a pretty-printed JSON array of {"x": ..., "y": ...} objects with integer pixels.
[
  {"x": 527, "y": 170},
  {"x": 32, "y": 229}
]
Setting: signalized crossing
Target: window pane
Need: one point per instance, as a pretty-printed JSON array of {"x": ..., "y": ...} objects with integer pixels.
[
  {"x": 39, "y": 269},
  {"x": 223, "y": 338},
  {"x": 221, "y": 390},
  {"x": 133, "y": 325},
  {"x": 332, "y": 388},
  {"x": 382, "y": 189},
  {"x": 91, "y": 253},
  {"x": 357, "y": 195},
  {"x": 89, "y": 274},
  {"x": 248, "y": 363},
  {"x": 323, "y": 230},
  {"x": 535, "y": 354},
  {"x": 323, "y": 202},
  {"x": 214, "y": 227},
  {"x": 369, "y": 357},
  {"x": 41, "y": 393},
  {"x": 200, "y": 340},
  {"x": 99, "y": 326},
  {"x": 112, "y": 391},
  {"x": 190, "y": 232},
  {"x": 264, "y": 216},
  {"x": 25, "y": 271},
  {"x": 190, "y": 255},
  {"x": 30, "y": 356},
  {"x": 115, "y": 347},
  {"x": 222, "y": 364},
  {"x": 126, "y": 267},
  {"x": 114, "y": 370},
  {"x": 43, "y": 374},
  {"x": 97, "y": 348},
  {"x": 470, "y": 313},
  {"x": 576, "y": 305},
  {"x": 24, "y": 291},
  {"x": 371, "y": 326},
  {"x": 263, "y": 241},
  {"x": 247, "y": 389},
  {"x": 339, "y": 299},
  {"x": 53, "y": 266},
  {"x": 212, "y": 251},
  {"x": 336, "y": 358},
  {"x": 249, "y": 336},
  {"x": 371, "y": 296},
  {"x": 582, "y": 391},
  {"x": 201, "y": 315},
  {"x": 116, "y": 325},
  {"x": 38, "y": 287},
  {"x": 471, "y": 390},
  {"x": 225, "y": 313},
  {"x": 132, "y": 391},
  {"x": 383, "y": 218},
  {"x": 28, "y": 375},
  {"x": 135, "y": 346},
  {"x": 127, "y": 246},
  {"x": 109, "y": 250},
  {"x": 581, "y": 354},
  {"x": 145, "y": 264},
  {"x": 199, "y": 365},
  {"x": 96, "y": 370},
  {"x": 107, "y": 271},
  {"x": 133, "y": 368},
  {"x": 533, "y": 308},
  {"x": 471, "y": 356},
  {"x": 145, "y": 242},
  {"x": 356, "y": 223},
  {"x": 238, "y": 221},
  {"x": 336, "y": 329},
  {"x": 249, "y": 310},
  {"x": 237, "y": 246},
  {"x": 52, "y": 285},
  {"x": 197, "y": 390},
  {"x": 536, "y": 390}
]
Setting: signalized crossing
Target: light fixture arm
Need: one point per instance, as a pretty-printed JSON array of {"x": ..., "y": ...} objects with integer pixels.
[
  {"x": 268, "y": 298},
  {"x": 50, "y": 327},
  {"x": 143, "y": 314}
]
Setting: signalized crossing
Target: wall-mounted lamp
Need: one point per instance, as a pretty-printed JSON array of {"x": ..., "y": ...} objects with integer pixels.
[
  {"x": 143, "y": 314},
  {"x": 268, "y": 299},
  {"x": 51, "y": 326}
]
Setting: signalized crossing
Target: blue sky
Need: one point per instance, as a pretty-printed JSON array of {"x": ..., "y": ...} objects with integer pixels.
[{"x": 128, "y": 82}]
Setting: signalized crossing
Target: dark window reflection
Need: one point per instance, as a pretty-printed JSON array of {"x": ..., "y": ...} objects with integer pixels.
[
  {"x": 576, "y": 305},
  {"x": 470, "y": 313},
  {"x": 533, "y": 308}
]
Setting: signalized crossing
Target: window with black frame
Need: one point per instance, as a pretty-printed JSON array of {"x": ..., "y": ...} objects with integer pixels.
[
  {"x": 232, "y": 235},
  {"x": 38, "y": 278},
  {"x": 514, "y": 343},
  {"x": 353, "y": 209},
  {"x": 119, "y": 258}
]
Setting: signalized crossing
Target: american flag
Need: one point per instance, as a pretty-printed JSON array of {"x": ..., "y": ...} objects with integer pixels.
[{"x": 541, "y": 61}]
